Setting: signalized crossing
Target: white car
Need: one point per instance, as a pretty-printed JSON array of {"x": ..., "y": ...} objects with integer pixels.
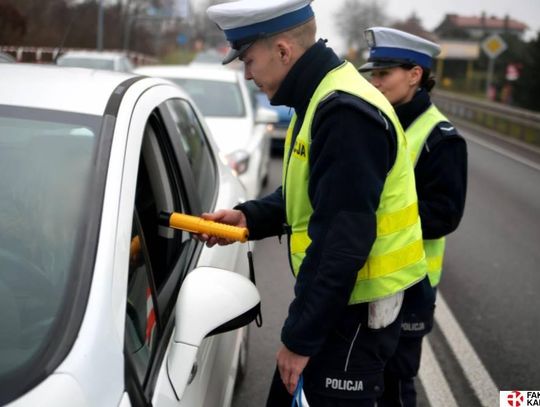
[
  {"x": 5, "y": 57},
  {"x": 101, "y": 303},
  {"x": 238, "y": 129},
  {"x": 110, "y": 61}
]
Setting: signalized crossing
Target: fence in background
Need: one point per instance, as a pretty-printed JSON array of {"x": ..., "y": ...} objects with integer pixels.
[
  {"x": 47, "y": 55},
  {"x": 509, "y": 121}
]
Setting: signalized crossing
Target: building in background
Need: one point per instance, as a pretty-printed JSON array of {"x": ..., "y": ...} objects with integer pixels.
[{"x": 461, "y": 66}]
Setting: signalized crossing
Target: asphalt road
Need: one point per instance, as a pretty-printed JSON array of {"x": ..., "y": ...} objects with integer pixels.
[
  {"x": 492, "y": 277},
  {"x": 487, "y": 331},
  {"x": 275, "y": 282}
]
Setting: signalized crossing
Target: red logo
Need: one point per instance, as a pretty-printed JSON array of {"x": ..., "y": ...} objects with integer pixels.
[{"x": 515, "y": 399}]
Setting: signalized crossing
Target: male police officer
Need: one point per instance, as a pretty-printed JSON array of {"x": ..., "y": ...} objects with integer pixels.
[
  {"x": 400, "y": 67},
  {"x": 347, "y": 199}
]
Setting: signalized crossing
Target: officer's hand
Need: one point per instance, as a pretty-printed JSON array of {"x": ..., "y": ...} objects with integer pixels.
[
  {"x": 229, "y": 216},
  {"x": 290, "y": 365}
]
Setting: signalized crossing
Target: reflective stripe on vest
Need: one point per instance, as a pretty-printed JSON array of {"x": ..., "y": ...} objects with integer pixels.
[
  {"x": 434, "y": 249},
  {"x": 396, "y": 260},
  {"x": 417, "y": 134}
]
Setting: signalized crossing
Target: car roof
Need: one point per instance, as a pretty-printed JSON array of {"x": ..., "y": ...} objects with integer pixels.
[
  {"x": 77, "y": 90},
  {"x": 206, "y": 72},
  {"x": 212, "y": 56}
]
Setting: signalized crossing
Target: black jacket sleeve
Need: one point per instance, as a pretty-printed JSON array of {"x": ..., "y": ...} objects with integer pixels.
[
  {"x": 265, "y": 216},
  {"x": 350, "y": 155},
  {"x": 441, "y": 181}
]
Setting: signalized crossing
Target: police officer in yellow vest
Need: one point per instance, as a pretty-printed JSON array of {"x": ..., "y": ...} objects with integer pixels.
[
  {"x": 400, "y": 67},
  {"x": 347, "y": 204}
]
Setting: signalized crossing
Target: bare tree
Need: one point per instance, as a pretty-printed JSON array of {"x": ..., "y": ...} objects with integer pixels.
[
  {"x": 357, "y": 15},
  {"x": 13, "y": 24},
  {"x": 33, "y": 23},
  {"x": 66, "y": 23},
  {"x": 204, "y": 29}
]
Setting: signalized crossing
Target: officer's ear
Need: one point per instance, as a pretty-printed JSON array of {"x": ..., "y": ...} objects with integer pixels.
[
  {"x": 415, "y": 75},
  {"x": 284, "y": 51}
]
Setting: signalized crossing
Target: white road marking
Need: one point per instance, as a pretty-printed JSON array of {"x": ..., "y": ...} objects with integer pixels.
[
  {"x": 435, "y": 385},
  {"x": 475, "y": 371}
]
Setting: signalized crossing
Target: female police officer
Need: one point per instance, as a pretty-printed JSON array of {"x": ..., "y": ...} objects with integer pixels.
[
  {"x": 399, "y": 64},
  {"x": 348, "y": 198}
]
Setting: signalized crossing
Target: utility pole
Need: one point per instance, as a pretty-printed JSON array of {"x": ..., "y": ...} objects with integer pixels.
[
  {"x": 129, "y": 19},
  {"x": 99, "y": 44}
]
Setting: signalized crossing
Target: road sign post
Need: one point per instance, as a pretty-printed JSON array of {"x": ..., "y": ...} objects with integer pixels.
[
  {"x": 99, "y": 40},
  {"x": 493, "y": 46}
]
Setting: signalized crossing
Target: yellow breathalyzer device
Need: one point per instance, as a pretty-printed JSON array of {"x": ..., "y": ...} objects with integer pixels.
[{"x": 195, "y": 224}]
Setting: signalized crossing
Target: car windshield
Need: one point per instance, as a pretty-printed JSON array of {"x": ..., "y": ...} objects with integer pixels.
[
  {"x": 214, "y": 98},
  {"x": 46, "y": 161},
  {"x": 6, "y": 57},
  {"x": 208, "y": 56},
  {"x": 92, "y": 63}
]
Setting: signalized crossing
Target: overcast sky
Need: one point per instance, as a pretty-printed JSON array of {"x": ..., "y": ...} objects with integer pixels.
[{"x": 432, "y": 12}]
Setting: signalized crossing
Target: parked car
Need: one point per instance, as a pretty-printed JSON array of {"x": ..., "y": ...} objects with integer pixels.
[
  {"x": 278, "y": 131},
  {"x": 111, "y": 61},
  {"x": 209, "y": 56},
  {"x": 100, "y": 303},
  {"x": 238, "y": 128},
  {"x": 5, "y": 57}
]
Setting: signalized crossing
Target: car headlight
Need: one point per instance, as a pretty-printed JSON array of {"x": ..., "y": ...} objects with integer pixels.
[
  {"x": 238, "y": 161},
  {"x": 270, "y": 128}
]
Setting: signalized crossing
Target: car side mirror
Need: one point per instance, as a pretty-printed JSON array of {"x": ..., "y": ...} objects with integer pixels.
[
  {"x": 210, "y": 301},
  {"x": 264, "y": 115}
]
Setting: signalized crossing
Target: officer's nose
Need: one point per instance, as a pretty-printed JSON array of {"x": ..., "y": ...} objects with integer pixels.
[
  {"x": 375, "y": 82},
  {"x": 247, "y": 73}
]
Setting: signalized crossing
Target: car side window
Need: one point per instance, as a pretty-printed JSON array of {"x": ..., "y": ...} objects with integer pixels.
[
  {"x": 126, "y": 65},
  {"x": 141, "y": 307},
  {"x": 197, "y": 149},
  {"x": 158, "y": 191},
  {"x": 160, "y": 257}
]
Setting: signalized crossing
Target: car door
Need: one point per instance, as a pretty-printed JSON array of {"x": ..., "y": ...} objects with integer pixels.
[
  {"x": 217, "y": 357},
  {"x": 177, "y": 171}
]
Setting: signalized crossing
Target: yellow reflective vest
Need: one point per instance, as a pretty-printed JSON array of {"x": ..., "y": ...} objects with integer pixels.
[
  {"x": 396, "y": 260},
  {"x": 417, "y": 134}
]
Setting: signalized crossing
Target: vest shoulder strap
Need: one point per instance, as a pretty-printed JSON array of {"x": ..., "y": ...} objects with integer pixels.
[
  {"x": 441, "y": 132},
  {"x": 345, "y": 99}
]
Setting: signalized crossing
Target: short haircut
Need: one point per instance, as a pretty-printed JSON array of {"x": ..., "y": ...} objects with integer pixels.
[{"x": 302, "y": 35}]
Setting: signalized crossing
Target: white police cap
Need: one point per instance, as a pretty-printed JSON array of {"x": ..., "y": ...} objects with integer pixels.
[
  {"x": 390, "y": 47},
  {"x": 246, "y": 21}
]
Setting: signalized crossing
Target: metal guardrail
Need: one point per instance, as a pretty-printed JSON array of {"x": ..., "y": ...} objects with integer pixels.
[
  {"x": 509, "y": 121},
  {"x": 47, "y": 55}
]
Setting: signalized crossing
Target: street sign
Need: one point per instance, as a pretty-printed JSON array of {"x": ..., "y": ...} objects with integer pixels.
[
  {"x": 494, "y": 46},
  {"x": 181, "y": 39},
  {"x": 512, "y": 72}
]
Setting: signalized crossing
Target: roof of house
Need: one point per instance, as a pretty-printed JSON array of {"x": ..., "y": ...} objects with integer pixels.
[{"x": 485, "y": 22}]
